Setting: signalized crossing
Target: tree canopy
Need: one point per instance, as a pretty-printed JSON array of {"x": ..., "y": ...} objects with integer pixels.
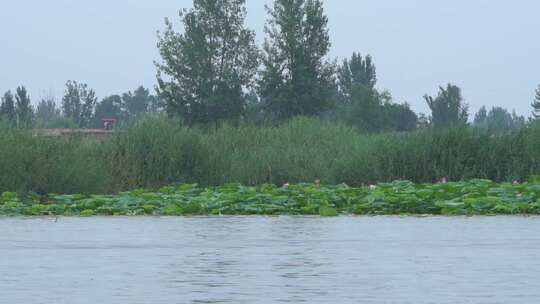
[
  {"x": 354, "y": 72},
  {"x": 7, "y": 108},
  {"x": 24, "y": 109},
  {"x": 536, "y": 104},
  {"x": 363, "y": 106},
  {"x": 297, "y": 78},
  {"x": 448, "y": 108},
  {"x": 205, "y": 70},
  {"x": 498, "y": 120},
  {"x": 78, "y": 103}
]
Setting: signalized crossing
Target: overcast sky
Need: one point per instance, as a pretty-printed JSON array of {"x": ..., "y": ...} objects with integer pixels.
[{"x": 490, "y": 48}]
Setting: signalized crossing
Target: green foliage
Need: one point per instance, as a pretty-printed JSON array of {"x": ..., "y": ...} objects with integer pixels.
[
  {"x": 126, "y": 108},
  {"x": 23, "y": 108},
  {"x": 41, "y": 164},
  {"x": 78, "y": 103},
  {"x": 364, "y": 109},
  {"x": 474, "y": 197},
  {"x": 362, "y": 106},
  {"x": 136, "y": 103},
  {"x": 448, "y": 108},
  {"x": 47, "y": 112},
  {"x": 498, "y": 120},
  {"x": 354, "y": 72},
  {"x": 328, "y": 211},
  {"x": 87, "y": 213},
  {"x": 7, "y": 108},
  {"x": 297, "y": 79},
  {"x": 108, "y": 107},
  {"x": 536, "y": 104},
  {"x": 205, "y": 70},
  {"x": 399, "y": 117},
  {"x": 152, "y": 153},
  {"x": 156, "y": 152}
]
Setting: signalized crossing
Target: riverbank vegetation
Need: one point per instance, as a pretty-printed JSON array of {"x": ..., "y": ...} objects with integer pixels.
[
  {"x": 157, "y": 152},
  {"x": 475, "y": 197},
  {"x": 226, "y": 110}
]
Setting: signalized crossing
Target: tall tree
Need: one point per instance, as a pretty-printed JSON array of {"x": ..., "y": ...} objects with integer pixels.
[
  {"x": 78, "y": 103},
  {"x": 71, "y": 102},
  {"x": 297, "y": 79},
  {"x": 536, "y": 104},
  {"x": 480, "y": 118},
  {"x": 206, "y": 69},
  {"x": 363, "y": 106},
  {"x": 372, "y": 111},
  {"x": 400, "y": 117},
  {"x": 498, "y": 120},
  {"x": 23, "y": 107},
  {"x": 138, "y": 102},
  {"x": 7, "y": 108},
  {"x": 89, "y": 101},
  {"x": 108, "y": 107},
  {"x": 364, "y": 109},
  {"x": 448, "y": 108},
  {"x": 356, "y": 71},
  {"x": 47, "y": 111}
]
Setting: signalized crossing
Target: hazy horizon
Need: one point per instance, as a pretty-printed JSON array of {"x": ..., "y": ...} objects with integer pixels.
[{"x": 488, "y": 49}]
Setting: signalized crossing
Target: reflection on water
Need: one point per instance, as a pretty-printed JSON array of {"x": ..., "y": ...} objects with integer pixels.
[{"x": 270, "y": 260}]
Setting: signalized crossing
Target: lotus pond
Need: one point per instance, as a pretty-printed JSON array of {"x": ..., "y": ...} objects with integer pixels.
[{"x": 475, "y": 197}]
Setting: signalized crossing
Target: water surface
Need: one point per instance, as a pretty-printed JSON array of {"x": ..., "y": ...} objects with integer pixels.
[{"x": 270, "y": 260}]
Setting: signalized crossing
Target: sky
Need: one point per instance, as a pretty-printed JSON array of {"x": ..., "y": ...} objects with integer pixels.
[{"x": 490, "y": 48}]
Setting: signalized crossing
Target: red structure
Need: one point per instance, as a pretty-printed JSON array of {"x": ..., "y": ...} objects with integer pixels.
[{"x": 108, "y": 123}]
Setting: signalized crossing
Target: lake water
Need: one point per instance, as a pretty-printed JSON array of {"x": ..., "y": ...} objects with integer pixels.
[{"x": 270, "y": 260}]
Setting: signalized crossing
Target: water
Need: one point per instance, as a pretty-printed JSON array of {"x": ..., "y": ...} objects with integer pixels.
[{"x": 270, "y": 260}]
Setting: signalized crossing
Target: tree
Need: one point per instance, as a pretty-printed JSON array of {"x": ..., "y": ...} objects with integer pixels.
[
  {"x": 356, "y": 71},
  {"x": 108, "y": 107},
  {"x": 296, "y": 78},
  {"x": 23, "y": 107},
  {"x": 78, "y": 103},
  {"x": 481, "y": 116},
  {"x": 536, "y": 104},
  {"x": 89, "y": 100},
  {"x": 423, "y": 121},
  {"x": 361, "y": 103},
  {"x": 448, "y": 108},
  {"x": 206, "y": 69},
  {"x": 7, "y": 108},
  {"x": 372, "y": 111},
  {"x": 47, "y": 111},
  {"x": 138, "y": 102},
  {"x": 498, "y": 120},
  {"x": 364, "y": 109},
  {"x": 400, "y": 117},
  {"x": 71, "y": 102}
]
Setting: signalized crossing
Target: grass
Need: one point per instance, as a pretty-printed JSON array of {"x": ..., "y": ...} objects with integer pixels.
[{"x": 157, "y": 152}]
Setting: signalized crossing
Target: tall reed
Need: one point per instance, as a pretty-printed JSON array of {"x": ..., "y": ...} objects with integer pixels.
[{"x": 156, "y": 152}]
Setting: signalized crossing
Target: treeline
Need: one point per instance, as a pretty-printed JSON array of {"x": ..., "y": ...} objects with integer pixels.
[
  {"x": 213, "y": 72},
  {"x": 79, "y": 108}
]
